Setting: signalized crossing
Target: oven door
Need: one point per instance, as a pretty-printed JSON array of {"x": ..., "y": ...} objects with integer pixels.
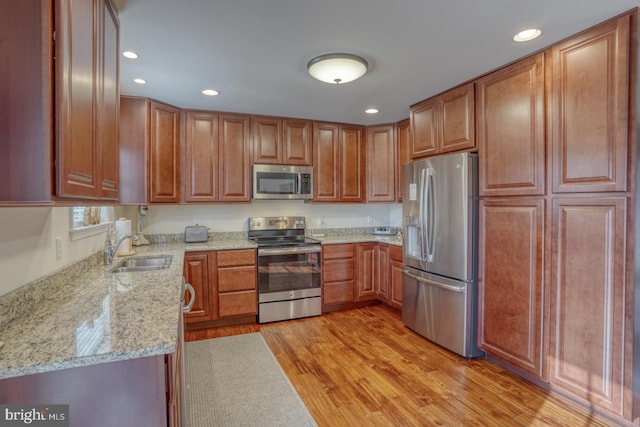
[{"x": 288, "y": 273}]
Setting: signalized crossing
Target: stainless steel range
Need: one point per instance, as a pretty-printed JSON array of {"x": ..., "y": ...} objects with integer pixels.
[{"x": 289, "y": 282}]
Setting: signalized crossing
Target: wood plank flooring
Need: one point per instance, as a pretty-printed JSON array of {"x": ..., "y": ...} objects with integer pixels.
[{"x": 363, "y": 367}]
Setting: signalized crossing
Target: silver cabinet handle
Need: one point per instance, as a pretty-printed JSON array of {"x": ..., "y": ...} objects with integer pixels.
[{"x": 192, "y": 293}]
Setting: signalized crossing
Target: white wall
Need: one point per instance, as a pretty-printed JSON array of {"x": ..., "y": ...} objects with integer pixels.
[
  {"x": 27, "y": 235},
  {"x": 167, "y": 219},
  {"x": 28, "y": 246}
]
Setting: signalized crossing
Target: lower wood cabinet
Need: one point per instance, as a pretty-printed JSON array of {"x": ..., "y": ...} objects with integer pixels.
[
  {"x": 395, "y": 276},
  {"x": 225, "y": 283},
  {"x": 372, "y": 280},
  {"x": 588, "y": 342},
  {"x": 510, "y": 280},
  {"x": 338, "y": 273}
]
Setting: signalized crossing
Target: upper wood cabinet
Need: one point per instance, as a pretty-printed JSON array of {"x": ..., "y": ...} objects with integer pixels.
[
  {"x": 444, "y": 123},
  {"x": 403, "y": 152},
  {"x": 201, "y": 156},
  {"x": 511, "y": 281},
  {"x": 511, "y": 129},
  {"x": 338, "y": 162},
  {"x": 149, "y": 151},
  {"x": 235, "y": 158},
  {"x": 588, "y": 336},
  {"x": 217, "y": 162},
  {"x": 59, "y": 109},
  {"x": 589, "y": 105},
  {"x": 281, "y": 141},
  {"x": 381, "y": 163}
]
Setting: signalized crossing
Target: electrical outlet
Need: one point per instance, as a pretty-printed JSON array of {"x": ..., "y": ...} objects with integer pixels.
[{"x": 58, "y": 247}]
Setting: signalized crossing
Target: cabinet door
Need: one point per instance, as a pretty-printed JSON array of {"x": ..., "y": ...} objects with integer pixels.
[
  {"x": 267, "y": 139},
  {"x": 296, "y": 142},
  {"x": 325, "y": 162},
  {"x": 424, "y": 128},
  {"x": 589, "y": 109},
  {"x": 382, "y": 268},
  {"x": 77, "y": 151},
  {"x": 352, "y": 163},
  {"x": 510, "y": 281},
  {"x": 108, "y": 101},
  {"x": 395, "y": 284},
  {"x": 164, "y": 149},
  {"x": 235, "y": 159},
  {"x": 381, "y": 162},
  {"x": 511, "y": 130},
  {"x": 587, "y": 342},
  {"x": 403, "y": 150},
  {"x": 196, "y": 273},
  {"x": 134, "y": 136},
  {"x": 366, "y": 267},
  {"x": 201, "y": 156},
  {"x": 457, "y": 118}
]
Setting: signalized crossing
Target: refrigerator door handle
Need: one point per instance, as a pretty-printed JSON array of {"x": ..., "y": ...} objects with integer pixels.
[
  {"x": 424, "y": 238},
  {"x": 429, "y": 211},
  {"x": 431, "y": 283}
]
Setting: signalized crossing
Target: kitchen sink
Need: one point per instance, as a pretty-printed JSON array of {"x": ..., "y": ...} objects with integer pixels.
[{"x": 143, "y": 263}]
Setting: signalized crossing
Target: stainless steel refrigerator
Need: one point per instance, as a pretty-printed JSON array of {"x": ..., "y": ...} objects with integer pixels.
[{"x": 439, "y": 281}]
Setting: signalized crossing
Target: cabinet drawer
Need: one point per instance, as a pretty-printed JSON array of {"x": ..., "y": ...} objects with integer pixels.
[
  {"x": 232, "y": 279},
  {"x": 338, "y": 270},
  {"x": 337, "y": 292},
  {"x": 241, "y": 257},
  {"x": 338, "y": 251},
  {"x": 238, "y": 303}
]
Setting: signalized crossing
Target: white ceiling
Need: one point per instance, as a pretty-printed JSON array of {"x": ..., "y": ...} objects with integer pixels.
[{"x": 255, "y": 52}]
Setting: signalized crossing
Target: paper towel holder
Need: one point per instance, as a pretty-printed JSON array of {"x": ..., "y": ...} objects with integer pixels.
[{"x": 142, "y": 211}]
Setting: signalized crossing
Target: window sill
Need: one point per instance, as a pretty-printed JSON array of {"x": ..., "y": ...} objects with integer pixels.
[{"x": 88, "y": 231}]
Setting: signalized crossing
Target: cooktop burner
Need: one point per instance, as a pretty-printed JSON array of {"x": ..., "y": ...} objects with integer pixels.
[{"x": 279, "y": 231}]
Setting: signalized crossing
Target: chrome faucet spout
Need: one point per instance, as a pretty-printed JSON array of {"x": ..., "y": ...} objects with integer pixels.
[{"x": 110, "y": 248}]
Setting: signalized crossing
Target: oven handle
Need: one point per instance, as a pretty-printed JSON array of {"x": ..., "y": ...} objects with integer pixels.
[{"x": 290, "y": 251}]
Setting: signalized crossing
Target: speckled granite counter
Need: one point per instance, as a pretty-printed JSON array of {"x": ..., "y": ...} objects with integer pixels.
[
  {"x": 358, "y": 238},
  {"x": 85, "y": 315}
]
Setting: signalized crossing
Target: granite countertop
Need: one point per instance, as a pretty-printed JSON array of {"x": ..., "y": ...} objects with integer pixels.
[
  {"x": 359, "y": 238},
  {"x": 86, "y": 315}
]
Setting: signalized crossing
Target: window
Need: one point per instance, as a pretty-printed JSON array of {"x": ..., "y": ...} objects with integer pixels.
[{"x": 89, "y": 220}]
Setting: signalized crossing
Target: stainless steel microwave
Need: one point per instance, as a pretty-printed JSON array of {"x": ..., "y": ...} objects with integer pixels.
[{"x": 282, "y": 182}]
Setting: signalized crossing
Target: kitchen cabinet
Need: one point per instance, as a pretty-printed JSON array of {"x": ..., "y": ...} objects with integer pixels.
[
  {"x": 225, "y": 283},
  {"x": 235, "y": 158},
  {"x": 339, "y": 162},
  {"x": 216, "y": 151},
  {"x": 403, "y": 150},
  {"x": 236, "y": 282},
  {"x": 196, "y": 272},
  {"x": 589, "y": 109},
  {"x": 381, "y": 163},
  {"x": 444, "y": 123},
  {"x": 281, "y": 141},
  {"x": 338, "y": 273},
  {"x": 511, "y": 129},
  {"x": 149, "y": 151},
  {"x": 395, "y": 276},
  {"x": 60, "y": 113},
  {"x": 587, "y": 299},
  {"x": 372, "y": 279},
  {"x": 511, "y": 280}
]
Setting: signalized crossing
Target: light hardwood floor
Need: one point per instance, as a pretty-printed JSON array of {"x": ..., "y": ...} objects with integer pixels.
[{"x": 363, "y": 367}]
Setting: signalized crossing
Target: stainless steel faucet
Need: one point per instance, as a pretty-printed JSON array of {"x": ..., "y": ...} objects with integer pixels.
[{"x": 110, "y": 248}]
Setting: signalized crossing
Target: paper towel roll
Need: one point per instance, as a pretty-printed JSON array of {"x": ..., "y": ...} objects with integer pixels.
[{"x": 123, "y": 226}]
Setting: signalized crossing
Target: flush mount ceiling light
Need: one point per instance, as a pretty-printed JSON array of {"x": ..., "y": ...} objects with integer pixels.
[
  {"x": 337, "y": 68},
  {"x": 526, "y": 35}
]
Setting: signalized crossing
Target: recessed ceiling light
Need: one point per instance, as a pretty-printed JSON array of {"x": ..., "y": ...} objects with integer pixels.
[
  {"x": 526, "y": 35},
  {"x": 372, "y": 111},
  {"x": 140, "y": 81},
  {"x": 210, "y": 92},
  {"x": 129, "y": 54}
]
